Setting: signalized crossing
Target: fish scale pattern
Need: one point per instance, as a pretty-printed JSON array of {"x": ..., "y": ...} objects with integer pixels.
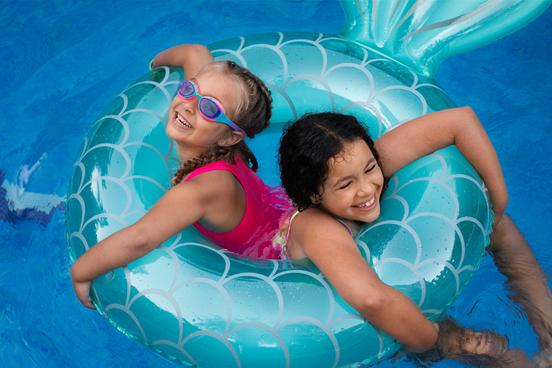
[{"x": 200, "y": 305}]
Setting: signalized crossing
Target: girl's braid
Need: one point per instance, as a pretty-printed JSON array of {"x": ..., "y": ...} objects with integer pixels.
[{"x": 215, "y": 154}]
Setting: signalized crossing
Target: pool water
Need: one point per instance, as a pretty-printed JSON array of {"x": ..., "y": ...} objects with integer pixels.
[{"x": 62, "y": 62}]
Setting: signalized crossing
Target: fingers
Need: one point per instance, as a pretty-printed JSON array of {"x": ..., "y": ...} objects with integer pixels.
[
  {"x": 87, "y": 303},
  {"x": 82, "y": 290}
]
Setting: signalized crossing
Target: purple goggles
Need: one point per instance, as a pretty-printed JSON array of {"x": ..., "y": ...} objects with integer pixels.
[{"x": 209, "y": 107}]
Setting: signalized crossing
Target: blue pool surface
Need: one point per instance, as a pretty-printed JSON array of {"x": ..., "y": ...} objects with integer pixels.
[{"x": 62, "y": 62}]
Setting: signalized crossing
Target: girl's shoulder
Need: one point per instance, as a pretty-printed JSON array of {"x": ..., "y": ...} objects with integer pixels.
[
  {"x": 212, "y": 184},
  {"x": 316, "y": 214},
  {"x": 313, "y": 223},
  {"x": 314, "y": 231},
  {"x": 214, "y": 166},
  {"x": 219, "y": 173}
]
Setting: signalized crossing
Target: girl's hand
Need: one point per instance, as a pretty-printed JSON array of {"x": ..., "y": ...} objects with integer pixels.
[{"x": 82, "y": 290}]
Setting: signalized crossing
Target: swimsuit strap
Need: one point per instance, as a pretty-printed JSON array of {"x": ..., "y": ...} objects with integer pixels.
[
  {"x": 346, "y": 226},
  {"x": 280, "y": 240},
  {"x": 295, "y": 213}
]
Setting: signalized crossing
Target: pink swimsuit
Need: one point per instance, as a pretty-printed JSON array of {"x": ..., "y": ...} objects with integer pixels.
[{"x": 264, "y": 208}]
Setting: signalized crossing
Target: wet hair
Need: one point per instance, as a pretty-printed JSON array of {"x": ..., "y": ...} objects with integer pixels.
[
  {"x": 306, "y": 147},
  {"x": 252, "y": 115}
]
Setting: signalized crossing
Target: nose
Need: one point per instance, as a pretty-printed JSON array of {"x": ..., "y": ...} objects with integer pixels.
[{"x": 189, "y": 105}]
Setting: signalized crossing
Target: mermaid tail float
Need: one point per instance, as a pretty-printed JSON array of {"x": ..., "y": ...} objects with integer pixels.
[
  {"x": 200, "y": 305},
  {"x": 423, "y": 33}
]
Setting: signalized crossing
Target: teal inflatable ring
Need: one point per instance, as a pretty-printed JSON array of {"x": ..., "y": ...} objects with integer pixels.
[{"x": 198, "y": 304}]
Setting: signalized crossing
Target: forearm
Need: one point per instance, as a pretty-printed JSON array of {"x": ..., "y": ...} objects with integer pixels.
[
  {"x": 180, "y": 207},
  {"x": 115, "y": 251},
  {"x": 474, "y": 143},
  {"x": 356, "y": 282},
  {"x": 188, "y": 56},
  {"x": 395, "y": 314}
]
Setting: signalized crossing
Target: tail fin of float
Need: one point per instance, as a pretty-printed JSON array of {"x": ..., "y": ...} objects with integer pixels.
[{"x": 423, "y": 33}]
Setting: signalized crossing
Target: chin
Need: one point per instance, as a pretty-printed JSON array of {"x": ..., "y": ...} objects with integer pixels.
[
  {"x": 169, "y": 130},
  {"x": 172, "y": 131},
  {"x": 369, "y": 217},
  {"x": 373, "y": 217}
]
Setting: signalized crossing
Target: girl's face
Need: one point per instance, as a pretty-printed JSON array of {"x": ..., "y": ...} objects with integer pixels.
[
  {"x": 188, "y": 128},
  {"x": 353, "y": 188}
]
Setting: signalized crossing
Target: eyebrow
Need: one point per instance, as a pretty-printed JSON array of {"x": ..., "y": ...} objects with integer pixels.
[
  {"x": 199, "y": 91},
  {"x": 349, "y": 177}
]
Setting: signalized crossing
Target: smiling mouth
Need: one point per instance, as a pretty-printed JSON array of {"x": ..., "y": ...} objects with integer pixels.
[
  {"x": 182, "y": 121},
  {"x": 368, "y": 205}
]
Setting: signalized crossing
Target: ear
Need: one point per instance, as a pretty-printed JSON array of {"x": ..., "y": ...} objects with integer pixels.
[{"x": 232, "y": 139}]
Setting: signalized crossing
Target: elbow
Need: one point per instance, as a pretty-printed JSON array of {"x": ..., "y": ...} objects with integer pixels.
[
  {"x": 198, "y": 54},
  {"x": 465, "y": 123},
  {"x": 467, "y": 110},
  {"x": 198, "y": 49},
  {"x": 182, "y": 55},
  {"x": 469, "y": 115},
  {"x": 371, "y": 307}
]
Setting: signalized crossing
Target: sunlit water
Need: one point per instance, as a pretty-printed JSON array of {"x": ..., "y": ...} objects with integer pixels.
[{"x": 63, "y": 62}]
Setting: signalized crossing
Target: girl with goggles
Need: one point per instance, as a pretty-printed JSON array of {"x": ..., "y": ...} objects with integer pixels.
[{"x": 217, "y": 177}]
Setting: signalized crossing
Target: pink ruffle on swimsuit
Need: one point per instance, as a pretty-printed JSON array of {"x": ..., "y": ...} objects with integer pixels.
[{"x": 264, "y": 209}]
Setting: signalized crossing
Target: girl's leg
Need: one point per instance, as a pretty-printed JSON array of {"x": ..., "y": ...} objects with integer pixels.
[{"x": 526, "y": 281}]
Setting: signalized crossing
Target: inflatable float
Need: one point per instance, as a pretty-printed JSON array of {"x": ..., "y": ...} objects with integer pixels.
[{"x": 198, "y": 304}]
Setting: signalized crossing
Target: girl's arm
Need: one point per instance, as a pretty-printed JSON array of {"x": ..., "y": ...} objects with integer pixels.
[
  {"x": 190, "y": 57},
  {"x": 329, "y": 245},
  {"x": 458, "y": 126},
  {"x": 181, "y": 206}
]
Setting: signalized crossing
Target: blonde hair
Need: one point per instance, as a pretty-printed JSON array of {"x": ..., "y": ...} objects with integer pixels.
[{"x": 252, "y": 114}]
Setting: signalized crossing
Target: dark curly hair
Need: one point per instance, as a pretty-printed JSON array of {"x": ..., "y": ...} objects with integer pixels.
[{"x": 306, "y": 147}]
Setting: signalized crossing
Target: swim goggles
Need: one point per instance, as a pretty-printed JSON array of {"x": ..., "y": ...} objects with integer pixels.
[{"x": 209, "y": 108}]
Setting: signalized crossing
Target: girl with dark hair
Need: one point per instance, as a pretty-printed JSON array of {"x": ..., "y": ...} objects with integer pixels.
[
  {"x": 335, "y": 175},
  {"x": 214, "y": 109}
]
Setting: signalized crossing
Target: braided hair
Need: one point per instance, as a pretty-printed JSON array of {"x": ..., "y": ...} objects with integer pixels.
[{"x": 252, "y": 115}]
